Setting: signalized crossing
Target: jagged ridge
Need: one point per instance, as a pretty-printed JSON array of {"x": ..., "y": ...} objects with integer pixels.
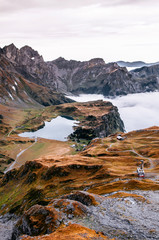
[
  {"x": 94, "y": 76},
  {"x": 16, "y": 90}
]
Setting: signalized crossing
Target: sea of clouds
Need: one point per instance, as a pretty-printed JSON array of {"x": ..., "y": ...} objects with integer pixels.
[{"x": 138, "y": 111}]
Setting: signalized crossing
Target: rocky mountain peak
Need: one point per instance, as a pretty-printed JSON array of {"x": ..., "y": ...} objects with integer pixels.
[
  {"x": 31, "y": 53},
  {"x": 115, "y": 65},
  {"x": 62, "y": 63},
  {"x": 10, "y": 51},
  {"x": 71, "y": 76},
  {"x": 10, "y": 47},
  {"x": 96, "y": 61},
  {"x": 21, "y": 56}
]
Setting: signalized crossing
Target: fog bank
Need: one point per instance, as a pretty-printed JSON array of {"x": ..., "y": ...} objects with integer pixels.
[{"x": 138, "y": 111}]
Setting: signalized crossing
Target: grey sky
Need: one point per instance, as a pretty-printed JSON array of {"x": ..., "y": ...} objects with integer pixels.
[{"x": 83, "y": 29}]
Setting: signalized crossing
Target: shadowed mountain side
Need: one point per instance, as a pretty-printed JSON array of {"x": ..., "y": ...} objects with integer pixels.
[
  {"x": 15, "y": 90},
  {"x": 94, "y": 76},
  {"x": 146, "y": 72}
]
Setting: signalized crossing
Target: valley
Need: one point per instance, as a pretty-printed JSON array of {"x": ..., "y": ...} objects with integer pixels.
[{"x": 75, "y": 186}]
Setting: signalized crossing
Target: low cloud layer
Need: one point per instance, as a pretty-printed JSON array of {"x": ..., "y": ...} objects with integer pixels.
[{"x": 138, "y": 111}]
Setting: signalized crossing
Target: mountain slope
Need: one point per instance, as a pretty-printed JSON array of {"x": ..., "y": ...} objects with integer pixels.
[
  {"x": 15, "y": 90},
  {"x": 148, "y": 77},
  {"x": 97, "y": 188},
  {"x": 94, "y": 76}
]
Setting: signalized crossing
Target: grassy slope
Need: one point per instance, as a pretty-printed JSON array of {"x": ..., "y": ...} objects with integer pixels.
[
  {"x": 18, "y": 120},
  {"x": 106, "y": 166}
]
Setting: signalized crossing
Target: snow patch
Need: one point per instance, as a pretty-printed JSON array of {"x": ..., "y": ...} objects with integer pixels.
[
  {"x": 13, "y": 88},
  {"x": 11, "y": 96}
]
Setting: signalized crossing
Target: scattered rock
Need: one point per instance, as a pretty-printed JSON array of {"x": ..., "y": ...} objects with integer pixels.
[
  {"x": 84, "y": 197},
  {"x": 37, "y": 220},
  {"x": 72, "y": 231}
]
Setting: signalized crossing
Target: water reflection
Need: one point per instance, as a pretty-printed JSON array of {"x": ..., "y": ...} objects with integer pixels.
[{"x": 58, "y": 129}]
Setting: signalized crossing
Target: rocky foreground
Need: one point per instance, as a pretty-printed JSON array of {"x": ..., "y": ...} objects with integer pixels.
[{"x": 94, "y": 194}]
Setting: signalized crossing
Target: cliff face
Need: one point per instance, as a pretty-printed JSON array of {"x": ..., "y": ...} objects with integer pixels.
[
  {"x": 16, "y": 90},
  {"x": 106, "y": 122},
  {"x": 96, "y": 119},
  {"x": 31, "y": 65},
  {"x": 94, "y": 76},
  {"x": 147, "y": 77}
]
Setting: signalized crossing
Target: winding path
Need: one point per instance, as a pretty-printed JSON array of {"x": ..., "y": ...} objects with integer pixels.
[
  {"x": 18, "y": 155},
  {"x": 133, "y": 151}
]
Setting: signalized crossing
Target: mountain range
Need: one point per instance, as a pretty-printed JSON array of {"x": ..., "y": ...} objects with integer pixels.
[
  {"x": 29, "y": 80},
  {"x": 86, "y": 187},
  {"x": 135, "y": 64}
]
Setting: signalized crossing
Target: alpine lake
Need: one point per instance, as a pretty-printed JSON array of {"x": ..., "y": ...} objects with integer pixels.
[{"x": 58, "y": 128}]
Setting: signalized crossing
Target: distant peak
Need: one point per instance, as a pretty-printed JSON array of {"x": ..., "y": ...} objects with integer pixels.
[
  {"x": 97, "y": 60},
  {"x": 20, "y": 55},
  {"x": 10, "y": 47},
  {"x": 30, "y": 52},
  {"x": 60, "y": 59},
  {"x": 26, "y": 47},
  {"x": 10, "y": 51}
]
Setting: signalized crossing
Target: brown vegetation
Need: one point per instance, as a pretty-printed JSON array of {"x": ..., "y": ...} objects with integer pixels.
[{"x": 71, "y": 232}]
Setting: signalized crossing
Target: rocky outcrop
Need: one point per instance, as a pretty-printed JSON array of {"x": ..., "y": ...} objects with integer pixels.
[
  {"x": 30, "y": 65},
  {"x": 72, "y": 231},
  {"x": 84, "y": 198},
  {"x": 100, "y": 119},
  {"x": 147, "y": 78},
  {"x": 15, "y": 90},
  {"x": 94, "y": 76},
  {"x": 39, "y": 220},
  {"x": 147, "y": 71}
]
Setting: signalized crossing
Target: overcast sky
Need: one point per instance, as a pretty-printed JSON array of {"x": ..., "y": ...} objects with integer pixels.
[{"x": 83, "y": 29}]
